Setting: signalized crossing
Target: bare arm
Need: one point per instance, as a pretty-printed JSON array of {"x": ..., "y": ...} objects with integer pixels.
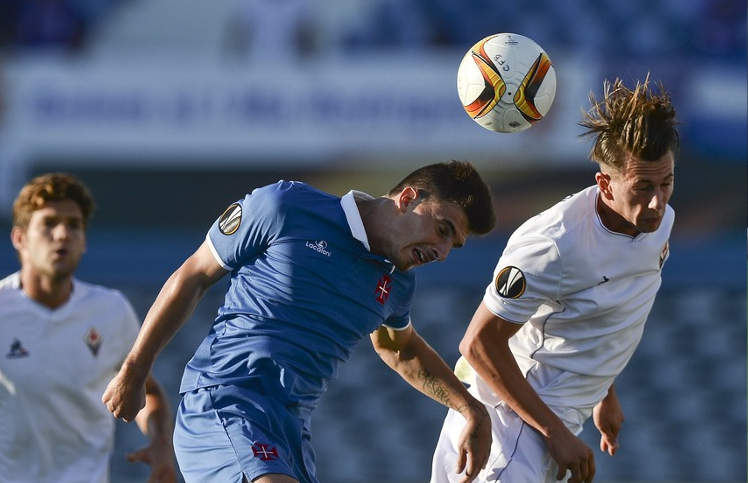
[
  {"x": 410, "y": 356},
  {"x": 486, "y": 347},
  {"x": 125, "y": 394}
]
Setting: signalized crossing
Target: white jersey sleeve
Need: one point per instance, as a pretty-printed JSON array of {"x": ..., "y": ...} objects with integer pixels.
[{"x": 527, "y": 276}]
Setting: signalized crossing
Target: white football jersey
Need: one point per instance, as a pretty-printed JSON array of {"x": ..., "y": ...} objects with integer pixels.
[
  {"x": 583, "y": 294},
  {"x": 54, "y": 367}
]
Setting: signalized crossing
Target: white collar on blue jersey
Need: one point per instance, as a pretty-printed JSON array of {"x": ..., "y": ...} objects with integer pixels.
[{"x": 348, "y": 202}]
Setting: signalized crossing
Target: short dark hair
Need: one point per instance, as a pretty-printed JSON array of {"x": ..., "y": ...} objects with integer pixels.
[
  {"x": 456, "y": 182},
  {"x": 51, "y": 187},
  {"x": 638, "y": 121}
]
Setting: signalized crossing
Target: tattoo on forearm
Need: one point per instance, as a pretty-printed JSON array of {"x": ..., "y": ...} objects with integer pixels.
[{"x": 432, "y": 386}]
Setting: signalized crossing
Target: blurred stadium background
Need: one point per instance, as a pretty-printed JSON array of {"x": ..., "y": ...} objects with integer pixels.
[{"x": 171, "y": 109}]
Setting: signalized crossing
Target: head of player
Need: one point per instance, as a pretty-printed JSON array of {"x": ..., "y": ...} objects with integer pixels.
[
  {"x": 429, "y": 212},
  {"x": 50, "y": 215},
  {"x": 635, "y": 143}
]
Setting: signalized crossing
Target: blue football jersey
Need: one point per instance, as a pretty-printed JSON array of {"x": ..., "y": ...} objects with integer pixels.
[{"x": 304, "y": 289}]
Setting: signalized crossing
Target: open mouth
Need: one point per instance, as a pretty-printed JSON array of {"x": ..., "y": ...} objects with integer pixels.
[{"x": 420, "y": 257}]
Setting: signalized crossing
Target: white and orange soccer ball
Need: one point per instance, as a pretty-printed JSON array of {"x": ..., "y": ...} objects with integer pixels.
[{"x": 506, "y": 82}]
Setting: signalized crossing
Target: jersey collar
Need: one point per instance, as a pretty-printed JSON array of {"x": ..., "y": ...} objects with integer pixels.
[
  {"x": 14, "y": 281},
  {"x": 353, "y": 216}
]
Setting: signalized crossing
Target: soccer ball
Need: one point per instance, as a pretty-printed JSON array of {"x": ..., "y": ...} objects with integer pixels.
[{"x": 506, "y": 82}]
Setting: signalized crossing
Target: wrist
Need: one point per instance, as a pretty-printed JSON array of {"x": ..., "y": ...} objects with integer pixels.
[
  {"x": 134, "y": 370},
  {"x": 554, "y": 429},
  {"x": 472, "y": 409}
]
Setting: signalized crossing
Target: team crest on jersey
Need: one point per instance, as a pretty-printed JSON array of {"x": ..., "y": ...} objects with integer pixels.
[
  {"x": 664, "y": 253},
  {"x": 510, "y": 282},
  {"x": 384, "y": 285},
  {"x": 230, "y": 219},
  {"x": 264, "y": 451},
  {"x": 93, "y": 340}
]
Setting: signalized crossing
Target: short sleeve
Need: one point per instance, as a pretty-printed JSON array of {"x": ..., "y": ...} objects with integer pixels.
[
  {"x": 398, "y": 323},
  {"x": 247, "y": 227},
  {"x": 527, "y": 276},
  {"x": 400, "y": 320}
]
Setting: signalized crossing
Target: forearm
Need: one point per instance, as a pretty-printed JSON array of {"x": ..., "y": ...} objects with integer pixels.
[
  {"x": 498, "y": 368},
  {"x": 175, "y": 303},
  {"x": 426, "y": 371}
]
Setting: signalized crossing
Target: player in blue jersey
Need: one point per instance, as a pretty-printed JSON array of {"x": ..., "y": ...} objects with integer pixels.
[{"x": 310, "y": 275}]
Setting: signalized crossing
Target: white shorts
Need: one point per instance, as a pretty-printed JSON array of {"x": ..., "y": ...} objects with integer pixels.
[{"x": 518, "y": 452}]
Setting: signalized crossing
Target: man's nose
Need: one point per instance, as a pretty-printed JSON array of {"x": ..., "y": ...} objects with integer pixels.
[
  {"x": 60, "y": 231},
  {"x": 443, "y": 250},
  {"x": 657, "y": 202}
]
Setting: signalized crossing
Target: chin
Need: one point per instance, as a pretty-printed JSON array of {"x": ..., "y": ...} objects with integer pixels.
[{"x": 649, "y": 227}]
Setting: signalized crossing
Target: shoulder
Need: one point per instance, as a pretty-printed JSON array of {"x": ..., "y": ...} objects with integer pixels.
[
  {"x": 562, "y": 221},
  {"x": 286, "y": 197},
  {"x": 285, "y": 192},
  {"x": 92, "y": 292}
]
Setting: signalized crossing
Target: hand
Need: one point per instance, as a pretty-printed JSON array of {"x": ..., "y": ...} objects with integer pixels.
[
  {"x": 124, "y": 396},
  {"x": 474, "y": 445},
  {"x": 159, "y": 456},
  {"x": 570, "y": 453},
  {"x": 608, "y": 418}
]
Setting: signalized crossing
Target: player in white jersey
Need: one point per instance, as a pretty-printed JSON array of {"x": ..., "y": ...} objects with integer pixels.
[
  {"x": 568, "y": 301},
  {"x": 62, "y": 341}
]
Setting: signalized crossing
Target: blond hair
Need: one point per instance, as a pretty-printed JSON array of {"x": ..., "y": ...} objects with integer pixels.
[
  {"x": 639, "y": 121},
  {"x": 51, "y": 187}
]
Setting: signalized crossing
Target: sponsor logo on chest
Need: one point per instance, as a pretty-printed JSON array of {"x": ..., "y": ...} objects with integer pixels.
[
  {"x": 319, "y": 246},
  {"x": 17, "y": 350}
]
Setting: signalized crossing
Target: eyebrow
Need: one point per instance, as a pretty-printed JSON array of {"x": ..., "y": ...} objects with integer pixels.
[{"x": 666, "y": 178}]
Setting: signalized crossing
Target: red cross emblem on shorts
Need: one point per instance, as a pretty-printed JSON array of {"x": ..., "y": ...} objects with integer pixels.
[
  {"x": 264, "y": 451},
  {"x": 383, "y": 289}
]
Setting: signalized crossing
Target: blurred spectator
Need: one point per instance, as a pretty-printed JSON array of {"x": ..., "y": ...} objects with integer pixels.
[
  {"x": 271, "y": 29},
  {"x": 49, "y": 24}
]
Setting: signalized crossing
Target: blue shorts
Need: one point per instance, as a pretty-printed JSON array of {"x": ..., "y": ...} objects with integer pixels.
[{"x": 223, "y": 433}]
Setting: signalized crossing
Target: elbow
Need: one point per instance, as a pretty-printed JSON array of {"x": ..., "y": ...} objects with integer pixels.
[{"x": 470, "y": 347}]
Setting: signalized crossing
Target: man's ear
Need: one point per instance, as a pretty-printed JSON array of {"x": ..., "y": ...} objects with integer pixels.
[
  {"x": 603, "y": 183},
  {"x": 407, "y": 196},
  {"x": 16, "y": 237}
]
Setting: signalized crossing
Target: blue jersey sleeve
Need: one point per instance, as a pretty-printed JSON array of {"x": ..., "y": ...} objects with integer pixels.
[
  {"x": 401, "y": 318},
  {"x": 398, "y": 323},
  {"x": 248, "y": 226}
]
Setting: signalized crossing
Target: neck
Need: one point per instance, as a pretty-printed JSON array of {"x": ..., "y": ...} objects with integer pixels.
[
  {"x": 613, "y": 221},
  {"x": 371, "y": 211},
  {"x": 48, "y": 291}
]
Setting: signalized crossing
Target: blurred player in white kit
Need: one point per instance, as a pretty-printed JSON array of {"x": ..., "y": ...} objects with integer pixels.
[
  {"x": 569, "y": 299},
  {"x": 62, "y": 341}
]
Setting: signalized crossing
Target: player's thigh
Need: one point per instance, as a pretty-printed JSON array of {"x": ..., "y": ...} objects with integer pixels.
[
  {"x": 445, "y": 454},
  {"x": 272, "y": 479},
  {"x": 221, "y": 435},
  {"x": 518, "y": 452}
]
